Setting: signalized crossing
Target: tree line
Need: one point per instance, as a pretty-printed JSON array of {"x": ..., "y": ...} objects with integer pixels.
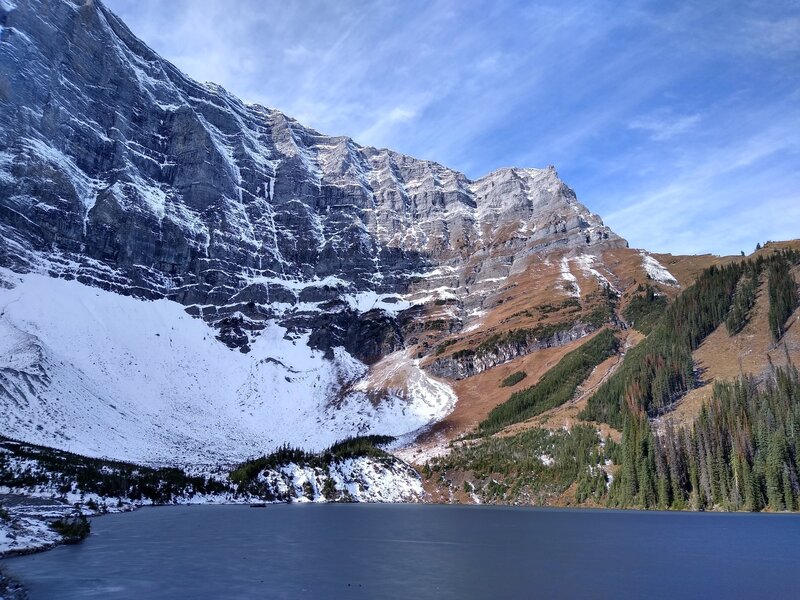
[
  {"x": 557, "y": 386},
  {"x": 660, "y": 369},
  {"x": 68, "y": 472},
  {"x": 741, "y": 452},
  {"x": 782, "y": 295}
]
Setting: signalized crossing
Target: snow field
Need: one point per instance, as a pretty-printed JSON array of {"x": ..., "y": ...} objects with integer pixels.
[{"x": 101, "y": 374}]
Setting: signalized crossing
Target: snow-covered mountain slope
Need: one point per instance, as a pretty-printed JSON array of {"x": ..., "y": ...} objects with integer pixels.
[{"x": 98, "y": 373}]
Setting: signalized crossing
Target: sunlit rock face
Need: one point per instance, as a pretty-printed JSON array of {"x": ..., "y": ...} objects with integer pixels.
[{"x": 120, "y": 171}]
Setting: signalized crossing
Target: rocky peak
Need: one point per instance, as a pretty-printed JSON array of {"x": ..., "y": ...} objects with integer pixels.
[{"x": 120, "y": 171}]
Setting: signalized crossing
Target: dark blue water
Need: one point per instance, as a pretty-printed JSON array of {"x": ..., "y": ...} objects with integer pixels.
[{"x": 407, "y": 551}]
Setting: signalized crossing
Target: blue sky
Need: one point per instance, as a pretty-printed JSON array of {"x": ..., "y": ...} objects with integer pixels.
[{"x": 677, "y": 122}]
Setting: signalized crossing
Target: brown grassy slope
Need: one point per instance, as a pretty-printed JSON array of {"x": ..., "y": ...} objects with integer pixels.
[
  {"x": 479, "y": 394},
  {"x": 536, "y": 296},
  {"x": 722, "y": 357},
  {"x": 526, "y": 299},
  {"x": 686, "y": 268},
  {"x": 518, "y": 301},
  {"x": 566, "y": 415},
  {"x": 772, "y": 247},
  {"x": 540, "y": 295}
]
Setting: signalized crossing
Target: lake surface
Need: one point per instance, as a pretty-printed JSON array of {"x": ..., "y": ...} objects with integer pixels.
[{"x": 413, "y": 551}]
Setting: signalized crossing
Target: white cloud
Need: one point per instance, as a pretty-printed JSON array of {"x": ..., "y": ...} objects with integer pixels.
[
  {"x": 378, "y": 133},
  {"x": 664, "y": 126}
]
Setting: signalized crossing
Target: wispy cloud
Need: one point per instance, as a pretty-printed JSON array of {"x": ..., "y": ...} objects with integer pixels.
[
  {"x": 724, "y": 201},
  {"x": 656, "y": 113},
  {"x": 385, "y": 123},
  {"x": 665, "y": 126}
]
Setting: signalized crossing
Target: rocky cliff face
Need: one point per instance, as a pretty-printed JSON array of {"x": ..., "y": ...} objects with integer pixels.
[
  {"x": 119, "y": 171},
  {"x": 497, "y": 350}
]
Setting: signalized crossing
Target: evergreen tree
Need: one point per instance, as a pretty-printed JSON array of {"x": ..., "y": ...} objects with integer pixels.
[{"x": 783, "y": 297}]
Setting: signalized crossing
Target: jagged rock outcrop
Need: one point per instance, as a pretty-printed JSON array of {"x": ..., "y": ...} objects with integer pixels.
[
  {"x": 501, "y": 349},
  {"x": 120, "y": 171}
]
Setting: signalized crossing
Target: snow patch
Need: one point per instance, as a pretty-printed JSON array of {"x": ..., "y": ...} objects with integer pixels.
[
  {"x": 297, "y": 285},
  {"x": 28, "y": 532},
  {"x": 360, "y": 479},
  {"x": 424, "y": 297},
  {"x": 656, "y": 271},
  {"x": 6, "y": 162},
  {"x": 368, "y": 300},
  {"x": 586, "y": 263},
  {"x": 151, "y": 197},
  {"x": 85, "y": 187},
  {"x": 374, "y": 481},
  {"x": 571, "y": 282},
  {"x": 475, "y": 320},
  {"x": 406, "y": 392}
]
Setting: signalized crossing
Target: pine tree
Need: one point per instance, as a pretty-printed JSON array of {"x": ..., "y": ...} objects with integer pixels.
[
  {"x": 786, "y": 482},
  {"x": 774, "y": 473},
  {"x": 783, "y": 297}
]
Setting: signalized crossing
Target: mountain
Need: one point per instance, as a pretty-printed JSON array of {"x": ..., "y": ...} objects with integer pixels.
[
  {"x": 128, "y": 175},
  {"x": 694, "y": 406},
  {"x": 189, "y": 280},
  {"x": 186, "y": 278},
  {"x": 133, "y": 199}
]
